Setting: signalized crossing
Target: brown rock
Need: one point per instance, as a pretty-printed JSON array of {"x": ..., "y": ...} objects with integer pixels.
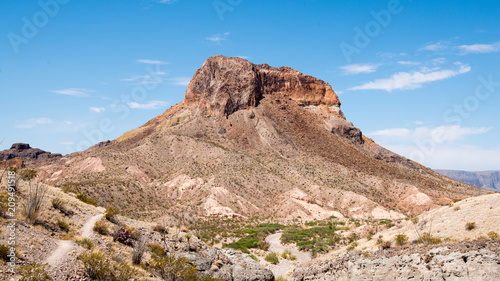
[{"x": 224, "y": 85}]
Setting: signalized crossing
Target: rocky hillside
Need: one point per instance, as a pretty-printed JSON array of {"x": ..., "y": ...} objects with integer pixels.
[
  {"x": 253, "y": 140},
  {"x": 485, "y": 179},
  {"x": 25, "y": 152}
]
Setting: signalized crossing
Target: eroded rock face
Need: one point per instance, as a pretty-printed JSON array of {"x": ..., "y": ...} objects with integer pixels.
[
  {"x": 224, "y": 85},
  {"x": 25, "y": 152}
]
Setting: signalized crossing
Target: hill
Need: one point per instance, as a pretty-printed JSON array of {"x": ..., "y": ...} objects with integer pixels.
[
  {"x": 253, "y": 140},
  {"x": 484, "y": 179}
]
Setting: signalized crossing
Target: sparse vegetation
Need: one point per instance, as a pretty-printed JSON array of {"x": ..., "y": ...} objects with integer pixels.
[
  {"x": 27, "y": 174},
  {"x": 83, "y": 197},
  {"x": 34, "y": 272},
  {"x": 281, "y": 278},
  {"x": 34, "y": 200},
  {"x": 86, "y": 243},
  {"x": 272, "y": 258},
  {"x": 428, "y": 239},
  {"x": 156, "y": 249},
  {"x": 401, "y": 239},
  {"x": 123, "y": 236},
  {"x": 100, "y": 267},
  {"x": 110, "y": 214},
  {"x": 138, "y": 252},
  {"x": 470, "y": 226},
  {"x": 286, "y": 254},
  {"x": 160, "y": 229},
  {"x": 101, "y": 227},
  {"x": 63, "y": 225},
  {"x": 170, "y": 267},
  {"x": 493, "y": 235},
  {"x": 4, "y": 250},
  {"x": 254, "y": 257}
]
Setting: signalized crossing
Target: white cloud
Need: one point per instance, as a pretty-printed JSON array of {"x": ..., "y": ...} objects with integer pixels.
[
  {"x": 97, "y": 109},
  {"x": 438, "y": 60},
  {"x": 436, "y": 47},
  {"x": 438, "y": 135},
  {"x": 166, "y": 1},
  {"x": 33, "y": 122},
  {"x": 412, "y": 80},
  {"x": 152, "y": 61},
  {"x": 150, "y": 105},
  {"x": 152, "y": 78},
  {"x": 180, "y": 81},
  {"x": 75, "y": 92},
  {"x": 218, "y": 38},
  {"x": 479, "y": 48},
  {"x": 359, "y": 68},
  {"x": 402, "y": 62}
]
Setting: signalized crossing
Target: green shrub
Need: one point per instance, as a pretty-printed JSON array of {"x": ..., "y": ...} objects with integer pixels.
[
  {"x": 34, "y": 272},
  {"x": 493, "y": 235},
  {"x": 82, "y": 197},
  {"x": 286, "y": 254},
  {"x": 401, "y": 239},
  {"x": 63, "y": 225},
  {"x": 100, "y": 267},
  {"x": 470, "y": 226},
  {"x": 110, "y": 214},
  {"x": 281, "y": 278},
  {"x": 86, "y": 243},
  {"x": 58, "y": 203},
  {"x": 429, "y": 239},
  {"x": 254, "y": 257},
  {"x": 170, "y": 267},
  {"x": 244, "y": 244},
  {"x": 272, "y": 258},
  {"x": 101, "y": 227},
  {"x": 27, "y": 174}
]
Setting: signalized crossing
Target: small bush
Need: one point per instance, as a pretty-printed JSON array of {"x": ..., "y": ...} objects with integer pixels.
[
  {"x": 386, "y": 245},
  {"x": 63, "y": 225},
  {"x": 100, "y": 267},
  {"x": 415, "y": 220},
  {"x": 470, "y": 226},
  {"x": 272, "y": 258},
  {"x": 134, "y": 233},
  {"x": 34, "y": 272},
  {"x": 352, "y": 246},
  {"x": 429, "y": 239},
  {"x": 160, "y": 229},
  {"x": 101, "y": 227},
  {"x": 281, "y": 278},
  {"x": 493, "y": 235},
  {"x": 27, "y": 174},
  {"x": 169, "y": 267},
  {"x": 86, "y": 243},
  {"x": 138, "y": 252},
  {"x": 110, "y": 214},
  {"x": 286, "y": 254},
  {"x": 68, "y": 189},
  {"x": 123, "y": 236},
  {"x": 401, "y": 239},
  {"x": 58, "y": 203},
  {"x": 82, "y": 197},
  {"x": 254, "y": 257},
  {"x": 156, "y": 249},
  {"x": 457, "y": 208},
  {"x": 36, "y": 195}
]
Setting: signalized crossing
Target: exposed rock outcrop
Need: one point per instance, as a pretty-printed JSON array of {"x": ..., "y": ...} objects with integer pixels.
[
  {"x": 224, "y": 85},
  {"x": 25, "y": 152},
  {"x": 478, "y": 260}
]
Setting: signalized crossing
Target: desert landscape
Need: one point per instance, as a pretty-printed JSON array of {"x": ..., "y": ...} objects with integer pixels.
[{"x": 249, "y": 167}]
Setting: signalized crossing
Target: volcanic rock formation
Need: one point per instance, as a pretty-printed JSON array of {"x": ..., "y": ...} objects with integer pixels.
[
  {"x": 25, "y": 152},
  {"x": 254, "y": 140}
]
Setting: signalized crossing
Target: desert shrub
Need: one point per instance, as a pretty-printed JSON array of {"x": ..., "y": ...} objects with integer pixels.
[
  {"x": 34, "y": 272},
  {"x": 281, "y": 278},
  {"x": 110, "y": 214},
  {"x": 138, "y": 251},
  {"x": 352, "y": 246},
  {"x": 34, "y": 200},
  {"x": 4, "y": 251},
  {"x": 415, "y": 220},
  {"x": 160, "y": 229},
  {"x": 27, "y": 174},
  {"x": 457, "y": 208},
  {"x": 380, "y": 241},
  {"x": 86, "y": 243},
  {"x": 123, "y": 236},
  {"x": 100, "y": 267},
  {"x": 427, "y": 239},
  {"x": 68, "y": 189},
  {"x": 493, "y": 235},
  {"x": 101, "y": 227},
  {"x": 83, "y": 197},
  {"x": 470, "y": 226},
  {"x": 244, "y": 244},
  {"x": 254, "y": 257},
  {"x": 170, "y": 267},
  {"x": 385, "y": 245},
  {"x": 63, "y": 225},
  {"x": 286, "y": 254},
  {"x": 134, "y": 233},
  {"x": 4, "y": 201},
  {"x": 401, "y": 239},
  {"x": 156, "y": 249},
  {"x": 58, "y": 203},
  {"x": 272, "y": 258},
  {"x": 456, "y": 200}
]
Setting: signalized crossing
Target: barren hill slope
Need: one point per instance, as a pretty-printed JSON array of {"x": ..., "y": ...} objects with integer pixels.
[{"x": 253, "y": 140}]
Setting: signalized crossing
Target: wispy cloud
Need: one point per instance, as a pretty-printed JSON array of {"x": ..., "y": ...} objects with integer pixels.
[
  {"x": 150, "y": 105},
  {"x": 180, "y": 81},
  {"x": 405, "y": 62},
  {"x": 153, "y": 78},
  {"x": 412, "y": 80},
  {"x": 97, "y": 109},
  {"x": 218, "y": 38},
  {"x": 439, "y": 46},
  {"x": 166, "y": 1},
  {"x": 74, "y": 92},
  {"x": 440, "y": 134},
  {"x": 152, "y": 61},
  {"x": 479, "y": 48},
  {"x": 359, "y": 68},
  {"x": 33, "y": 122}
]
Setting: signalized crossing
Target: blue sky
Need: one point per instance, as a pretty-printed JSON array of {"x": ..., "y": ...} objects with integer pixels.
[{"x": 421, "y": 78}]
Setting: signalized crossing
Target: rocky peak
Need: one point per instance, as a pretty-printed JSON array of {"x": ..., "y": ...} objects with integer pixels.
[
  {"x": 224, "y": 85},
  {"x": 25, "y": 152}
]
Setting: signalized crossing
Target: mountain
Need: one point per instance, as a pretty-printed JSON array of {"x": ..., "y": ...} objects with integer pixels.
[
  {"x": 25, "y": 152},
  {"x": 485, "y": 179},
  {"x": 253, "y": 140}
]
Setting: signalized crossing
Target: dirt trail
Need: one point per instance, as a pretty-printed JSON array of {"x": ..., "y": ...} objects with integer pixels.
[
  {"x": 285, "y": 265},
  {"x": 65, "y": 246}
]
